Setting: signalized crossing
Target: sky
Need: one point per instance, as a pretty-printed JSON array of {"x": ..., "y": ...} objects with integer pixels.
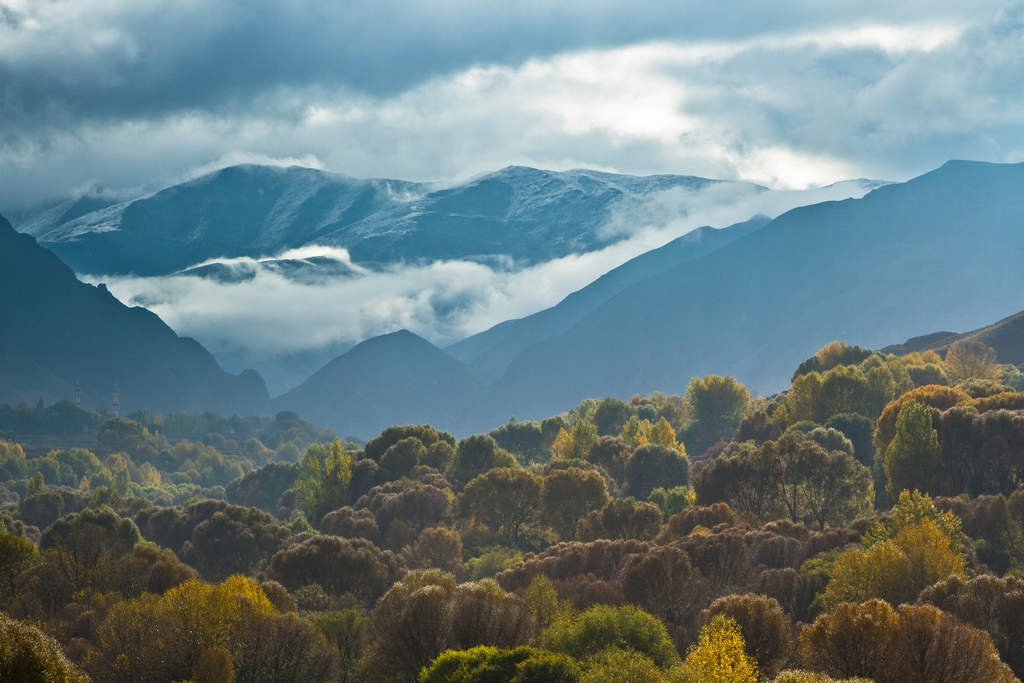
[
  {"x": 127, "y": 96},
  {"x": 123, "y": 97}
]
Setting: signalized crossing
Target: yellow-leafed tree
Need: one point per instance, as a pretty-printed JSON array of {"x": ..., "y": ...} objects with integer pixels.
[{"x": 718, "y": 656}]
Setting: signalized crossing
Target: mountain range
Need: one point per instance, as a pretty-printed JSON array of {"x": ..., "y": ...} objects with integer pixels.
[
  {"x": 57, "y": 333},
  {"x": 941, "y": 251},
  {"x": 294, "y": 228},
  {"x": 523, "y": 214}
]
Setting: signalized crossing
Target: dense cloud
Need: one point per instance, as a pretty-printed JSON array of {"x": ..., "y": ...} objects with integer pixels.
[{"x": 121, "y": 94}]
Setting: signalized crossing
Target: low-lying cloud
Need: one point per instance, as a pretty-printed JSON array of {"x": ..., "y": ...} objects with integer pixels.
[{"x": 270, "y": 313}]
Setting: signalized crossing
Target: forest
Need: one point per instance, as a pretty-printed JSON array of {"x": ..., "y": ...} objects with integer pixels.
[{"x": 867, "y": 524}]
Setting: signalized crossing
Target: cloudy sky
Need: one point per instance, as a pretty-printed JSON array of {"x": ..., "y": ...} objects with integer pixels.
[
  {"x": 123, "y": 97},
  {"x": 131, "y": 95}
]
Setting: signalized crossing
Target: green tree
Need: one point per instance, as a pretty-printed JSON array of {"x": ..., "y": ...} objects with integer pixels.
[
  {"x": 481, "y": 664},
  {"x": 719, "y": 405},
  {"x": 912, "y": 458},
  {"x": 654, "y": 465},
  {"x": 324, "y": 474},
  {"x": 604, "y": 626},
  {"x": 475, "y": 455},
  {"x": 16, "y": 555},
  {"x": 610, "y": 415},
  {"x": 673, "y": 500},
  {"x": 29, "y": 656},
  {"x": 616, "y": 664}
]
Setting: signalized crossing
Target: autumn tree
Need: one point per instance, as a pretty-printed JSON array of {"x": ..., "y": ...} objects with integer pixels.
[
  {"x": 992, "y": 604},
  {"x": 855, "y": 640},
  {"x": 836, "y": 487},
  {"x": 942, "y": 398},
  {"x": 338, "y": 566},
  {"x": 621, "y": 518},
  {"x": 665, "y": 583},
  {"x": 507, "y": 500},
  {"x": 968, "y": 359},
  {"x": 437, "y": 548},
  {"x": 570, "y": 494},
  {"x": 577, "y": 442},
  {"x": 917, "y": 547},
  {"x": 765, "y": 628},
  {"x": 747, "y": 477},
  {"x": 718, "y": 656},
  {"x": 939, "y": 648}
]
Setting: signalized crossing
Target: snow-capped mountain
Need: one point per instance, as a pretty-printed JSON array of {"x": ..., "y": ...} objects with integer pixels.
[{"x": 517, "y": 216}]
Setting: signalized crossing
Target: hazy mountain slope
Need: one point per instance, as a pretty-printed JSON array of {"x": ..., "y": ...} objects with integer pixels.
[
  {"x": 525, "y": 214},
  {"x": 1005, "y": 336},
  {"x": 238, "y": 211},
  {"x": 941, "y": 251},
  {"x": 55, "y": 330},
  {"x": 491, "y": 351},
  {"x": 397, "y": 378}
]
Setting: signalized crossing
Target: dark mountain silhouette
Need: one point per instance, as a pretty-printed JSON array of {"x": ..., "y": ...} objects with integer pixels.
[
  {"x": 943, "y": 250},
  {"x": 491, "y": 351},
  {"x": 397, "y": 378},
  {"x": 56, "y": 331},
  {"x": 1005, "y": 336}
]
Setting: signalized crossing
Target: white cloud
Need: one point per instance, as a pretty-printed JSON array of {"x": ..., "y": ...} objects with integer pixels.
[
  {"x": 271, "y": 314},
  {"x": 787, "y": 107}
]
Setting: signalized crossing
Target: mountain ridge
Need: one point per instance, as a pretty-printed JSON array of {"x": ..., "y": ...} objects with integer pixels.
[
  {"x": 716, "y": 326},
  {"x": 396, "y": 378},
  {"x": 58, "y": 333}
]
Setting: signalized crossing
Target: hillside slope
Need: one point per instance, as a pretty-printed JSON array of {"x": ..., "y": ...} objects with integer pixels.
[
  {"x": 397, "y": 378},
  {"x": 491, "y": 351},
  {"x": 942, "y": 251},
  {"x": 56, "y": 331},
  {"x": 1005, "y": 336}
]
